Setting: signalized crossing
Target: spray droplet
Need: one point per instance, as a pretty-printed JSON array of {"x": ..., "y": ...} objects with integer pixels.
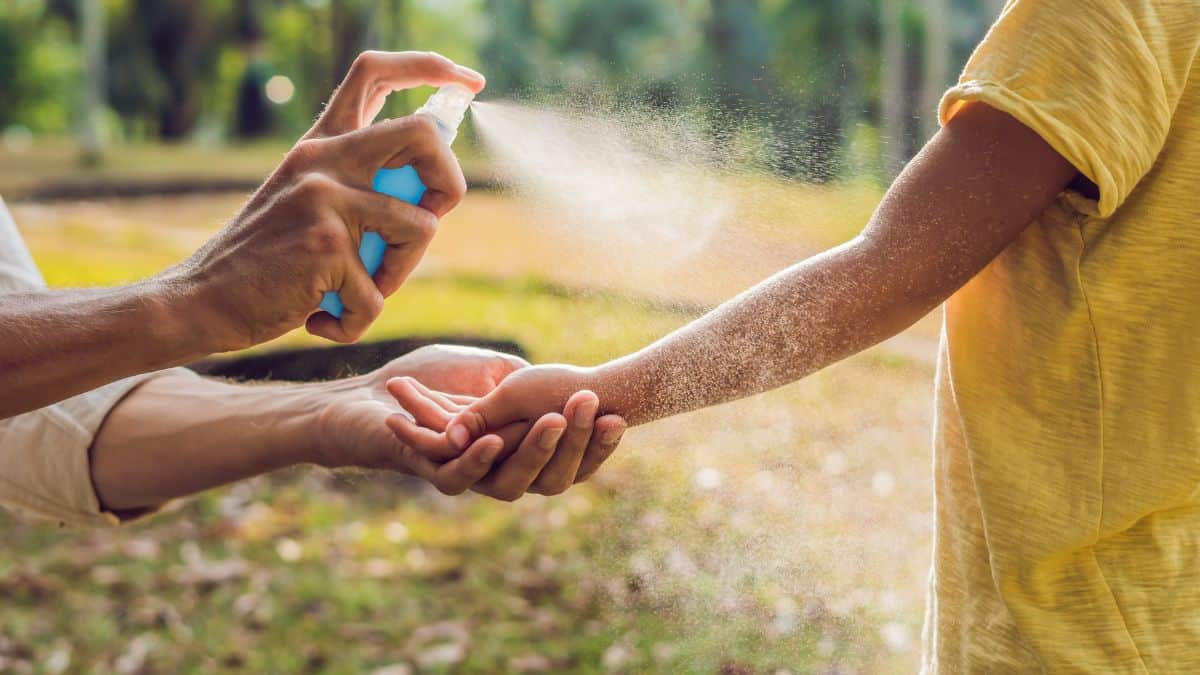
[
  {"x": 708, "y": 478},
  {"x": 835, "y": 464},
  {"x": 883, "y": 483},
  {"x": 896, "y": 636}
]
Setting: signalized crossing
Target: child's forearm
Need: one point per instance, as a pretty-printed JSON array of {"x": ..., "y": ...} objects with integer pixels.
[
  {"x": 795, "y": 323},
  {"x": 970, "y": 193}
]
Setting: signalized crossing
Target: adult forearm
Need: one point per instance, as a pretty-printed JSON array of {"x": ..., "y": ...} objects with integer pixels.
[
  {"x": 56, "y": 344},
  {"x": 180, "y": 434}
]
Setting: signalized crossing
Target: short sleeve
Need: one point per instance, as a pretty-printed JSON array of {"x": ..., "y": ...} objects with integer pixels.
[
  {"x": 1098, "y": 80},
  {"x": 17, "y": 269},
  {"x": 46, "y": 457}
]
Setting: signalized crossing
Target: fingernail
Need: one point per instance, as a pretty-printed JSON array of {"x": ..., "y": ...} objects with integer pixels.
[
  {"x": 586, "y": 413},
  {"x": 488, "y": 458},
  {"x": 470, "y": 73},
  {"x": 612, "y": 436},
  {"x": 459, "y": 436},
  {"x": 550, "y": 437}
]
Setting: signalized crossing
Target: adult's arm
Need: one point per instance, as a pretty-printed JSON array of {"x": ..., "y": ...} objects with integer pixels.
[
  {"x": 179, "y": 433},
  {"x": 970, "y": 192},
  {"x": 264, "y": 273}
]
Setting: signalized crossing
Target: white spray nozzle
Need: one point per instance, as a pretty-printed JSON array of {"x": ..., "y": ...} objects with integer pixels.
[{"x": 447, "y": 106}]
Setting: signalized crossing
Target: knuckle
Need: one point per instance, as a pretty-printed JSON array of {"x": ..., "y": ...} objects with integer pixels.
[
  {"x": 304, "y": 153},
  {"x": 325, "y": 239},
  {"x": 452, "y": 488},
  {"x": 375, "y": 308},
  {"x": 424, "y": 128},
  {"x": 314, "y": 187},
  {"x": 458, "y": 186},
  {"x": 425, "y": 224},
  {"x": 365, "y": 62}
]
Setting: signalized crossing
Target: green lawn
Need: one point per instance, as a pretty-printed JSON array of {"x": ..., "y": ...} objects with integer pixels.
[{"x": 788, "y": 531}]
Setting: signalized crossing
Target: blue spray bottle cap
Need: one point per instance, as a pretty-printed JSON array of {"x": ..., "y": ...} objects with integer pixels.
[{"x": 447, "y": 106}]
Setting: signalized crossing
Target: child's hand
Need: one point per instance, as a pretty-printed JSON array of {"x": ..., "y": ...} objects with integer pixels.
[
  {"x": 546, "y": 453},
  {"x": 521, "y": 396}
]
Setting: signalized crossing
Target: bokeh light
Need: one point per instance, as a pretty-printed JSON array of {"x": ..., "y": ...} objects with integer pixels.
[{"x": 280, "y": 89}]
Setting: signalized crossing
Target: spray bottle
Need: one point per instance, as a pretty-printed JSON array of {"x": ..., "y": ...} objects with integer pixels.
[{"x": 447, "y": 106}]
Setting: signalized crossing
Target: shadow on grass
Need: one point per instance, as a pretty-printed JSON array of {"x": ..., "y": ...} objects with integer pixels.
[{"x": 314, "y": 364}]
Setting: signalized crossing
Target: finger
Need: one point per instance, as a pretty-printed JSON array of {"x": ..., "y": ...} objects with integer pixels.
[
  {"x": 406, "y": 229},
  {"x": 513, "y": 476},
  {"x": 462, "y": 400},
  {"x": 411, "y": 140},
  {"x": 374, "y": 75},
  {"x": 441, "y": 398},
  {"x": 490, "y": 412},
  {"x": 413, "y": 397},
  {"x": 559, "y": 472},
  {"x": 457, "y": 475},
  {"x": 444, "y": 179},
  {"x": 361, "y": 300},
  {"x": 606, "y": 436},
  {"x": 426, "y": 442},
  {"x": 412, "y": 393}
]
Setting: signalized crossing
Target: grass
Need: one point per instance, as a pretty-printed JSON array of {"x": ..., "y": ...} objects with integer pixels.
[{"x": 788, "y": 531}]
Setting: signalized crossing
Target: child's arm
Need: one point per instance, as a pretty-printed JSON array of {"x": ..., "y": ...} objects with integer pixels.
[{"x": 970, "y": 192}]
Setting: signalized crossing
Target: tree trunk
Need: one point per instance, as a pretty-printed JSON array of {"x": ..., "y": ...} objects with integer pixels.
[
  {"x": 893, "y": 83},
  {"x": 851, "y": 103},
  {"x": 353, "y": 26},
  {"x": 91, "y": 13},
  {"x": 936, "y": 76}
]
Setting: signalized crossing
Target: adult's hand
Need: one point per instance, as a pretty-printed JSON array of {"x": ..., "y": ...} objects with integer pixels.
[
  {"x": 179, "y": 433},
  {"x": 298, "y": 237},
  {"x": 349, "y": 428}
]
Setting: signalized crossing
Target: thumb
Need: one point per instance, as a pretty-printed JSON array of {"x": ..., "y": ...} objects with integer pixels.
[{"x": 490, "y": 412}]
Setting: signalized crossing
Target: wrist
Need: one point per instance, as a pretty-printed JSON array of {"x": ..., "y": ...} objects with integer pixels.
[
  {"x": 298, "y": 433},
  {"x": 161, "y": 313},
  {"x": 181, "y": 315},
  {"x": 317, "y": 434},
  {"x": 621, "y": 388}
]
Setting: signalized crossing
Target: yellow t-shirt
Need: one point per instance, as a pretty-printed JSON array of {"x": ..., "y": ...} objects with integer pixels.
[{"x": 1067, "y": 439}]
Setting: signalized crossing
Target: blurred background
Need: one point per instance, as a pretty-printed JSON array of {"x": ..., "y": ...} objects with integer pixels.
[{"x": 786, "y": 533}]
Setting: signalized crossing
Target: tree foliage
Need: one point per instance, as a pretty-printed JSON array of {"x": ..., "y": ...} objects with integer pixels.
[{"x": 802, "y": 74}]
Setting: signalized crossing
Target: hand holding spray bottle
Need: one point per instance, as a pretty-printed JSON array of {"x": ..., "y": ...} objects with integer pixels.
[{"x": 447, "y": 106}]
